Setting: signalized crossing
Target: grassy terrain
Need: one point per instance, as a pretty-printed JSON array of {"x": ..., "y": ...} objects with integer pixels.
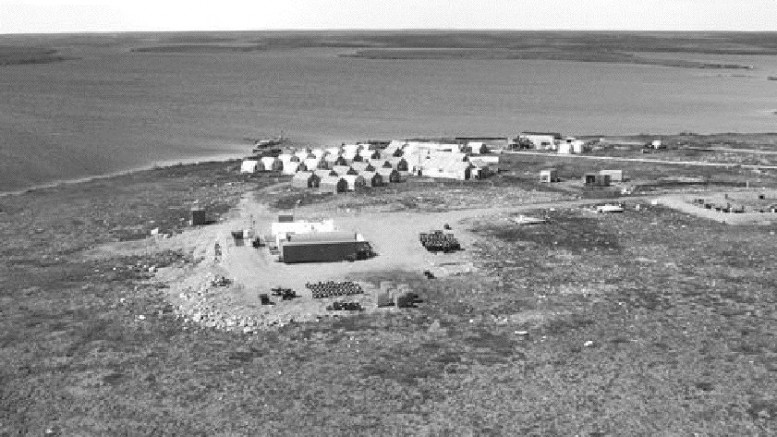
[
  {"x": 422, "y": 194},
  {"x": 642, "y": 323}
]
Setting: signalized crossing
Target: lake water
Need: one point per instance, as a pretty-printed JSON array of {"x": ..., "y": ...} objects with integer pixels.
[{"x": 113, "y": 112}]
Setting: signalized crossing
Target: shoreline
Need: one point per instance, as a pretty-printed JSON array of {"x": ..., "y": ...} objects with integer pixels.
[
  {"x": 158, "y": 164},
  {"x": 231, "y": 157}
]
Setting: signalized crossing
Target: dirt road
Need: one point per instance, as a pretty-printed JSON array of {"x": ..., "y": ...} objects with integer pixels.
[{"x": 645, "y": 160}]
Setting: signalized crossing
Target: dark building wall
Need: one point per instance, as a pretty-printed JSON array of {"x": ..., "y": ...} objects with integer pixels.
[{"x": 321, "y": 251}]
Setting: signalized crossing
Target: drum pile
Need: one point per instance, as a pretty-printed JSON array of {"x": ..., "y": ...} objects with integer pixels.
[
  {"x": 331, "y": 288},
  {"x": 438, "y": 241}
]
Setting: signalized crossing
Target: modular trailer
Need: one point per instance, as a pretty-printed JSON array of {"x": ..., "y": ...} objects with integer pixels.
[{"x": 323, "y": 251}]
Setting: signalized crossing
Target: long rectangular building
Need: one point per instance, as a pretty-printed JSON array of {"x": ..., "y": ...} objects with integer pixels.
[{"x": 324, "y": 247}]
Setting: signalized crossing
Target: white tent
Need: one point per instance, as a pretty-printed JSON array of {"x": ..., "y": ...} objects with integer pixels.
[
  {"x": 355, "y": 181},
  {"x": 271, "y": 163},
  {"x": 293, "y": 167},
  {"x": 249, "y": 166}
]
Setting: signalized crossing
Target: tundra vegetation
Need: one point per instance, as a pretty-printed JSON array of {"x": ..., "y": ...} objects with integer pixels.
[{"x": 645, "y": 322}]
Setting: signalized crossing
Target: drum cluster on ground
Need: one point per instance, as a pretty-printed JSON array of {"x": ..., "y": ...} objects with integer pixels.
[
  {"x": 331, "y": 288},
  {"x": 439, "y": 241}
]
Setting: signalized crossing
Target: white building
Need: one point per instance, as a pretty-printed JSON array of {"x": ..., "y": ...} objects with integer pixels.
[
  {"x": 281, "y": 230},
  {"x": 541, "y": 140}
]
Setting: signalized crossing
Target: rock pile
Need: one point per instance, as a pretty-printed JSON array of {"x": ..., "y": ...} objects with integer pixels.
[{"x": 198, "y": 307}]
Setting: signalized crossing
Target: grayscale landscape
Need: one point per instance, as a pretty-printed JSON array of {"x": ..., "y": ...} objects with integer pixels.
[{"x": 482, "y": 233}]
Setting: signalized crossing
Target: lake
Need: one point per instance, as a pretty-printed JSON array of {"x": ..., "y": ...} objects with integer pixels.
[{"x": 115, "y": 111}]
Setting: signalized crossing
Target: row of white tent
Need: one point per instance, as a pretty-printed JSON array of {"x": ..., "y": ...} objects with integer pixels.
[{"x": 437, "y": 160}]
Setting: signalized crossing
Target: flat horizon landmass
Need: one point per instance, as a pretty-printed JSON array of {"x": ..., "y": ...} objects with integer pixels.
[{"x": 582, "y": 46}]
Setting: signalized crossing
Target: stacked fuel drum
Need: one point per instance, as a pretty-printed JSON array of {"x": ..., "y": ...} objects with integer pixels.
[
  {"x": 331, "y": 288},
  {"x": 439, "y": 241}
]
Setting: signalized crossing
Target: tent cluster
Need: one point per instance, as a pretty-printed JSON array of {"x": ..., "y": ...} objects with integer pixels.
[
  {"x": 445, "y": 160},
  {"x": 351, "y": 167}
]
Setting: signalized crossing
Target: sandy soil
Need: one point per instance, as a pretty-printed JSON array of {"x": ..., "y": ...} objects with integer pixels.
[{"x": 392, "y": 234}]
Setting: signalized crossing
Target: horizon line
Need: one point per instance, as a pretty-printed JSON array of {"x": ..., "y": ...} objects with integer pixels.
[{"x": 410, "y": 29}]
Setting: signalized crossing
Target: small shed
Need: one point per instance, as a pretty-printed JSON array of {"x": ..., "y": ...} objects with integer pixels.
[
  {"x": 250, "y": 166},
  {"x": 389, "y": 175},
  {"x": 271, "y": 163},
  {"x": 362, "y": 166},
  {"x": 198, "y": 217},
  {"x": 355, "y": 182},
  {"x": 615, "y": 175},
  {"x": 549, "y": 175},
  {"x": 371, "y": 178},
  {"x": 343, "y": 170},
  {"x": 333, "y": 184},
  {"x": 305, "y": 179},
  {"x": 596, "y": 179}
]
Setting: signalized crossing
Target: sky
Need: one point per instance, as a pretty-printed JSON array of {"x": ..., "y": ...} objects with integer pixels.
[{"x": 55, "y": 16}]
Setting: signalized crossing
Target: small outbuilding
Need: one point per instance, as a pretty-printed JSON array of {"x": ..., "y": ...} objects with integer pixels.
[
  {"x": 305, "y": 179},
  {"x": 615, "y": 175},
  {"x": 549, "y": 175},
  {"x": 198, "y": 217},
  {"x": 596, "y": 179},
  {"x": 333, "y": 184}
]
